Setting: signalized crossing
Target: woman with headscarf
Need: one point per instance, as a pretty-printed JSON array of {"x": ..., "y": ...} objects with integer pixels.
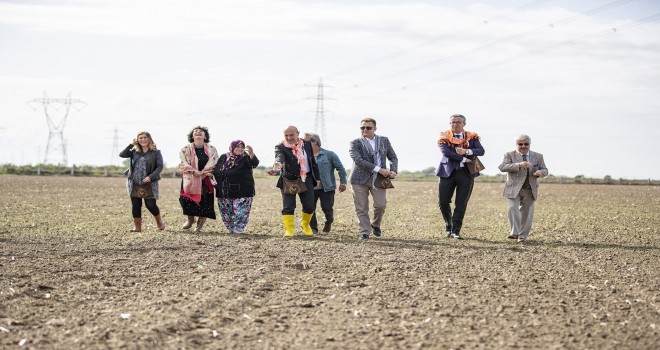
[
  {"x": 143, "y": 175},
  {"x": 198, "y": 159},
  {"x": 235, "y": 188}
]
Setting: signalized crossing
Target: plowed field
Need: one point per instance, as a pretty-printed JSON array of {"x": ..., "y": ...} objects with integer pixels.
[{"x": 72, "y": 276}]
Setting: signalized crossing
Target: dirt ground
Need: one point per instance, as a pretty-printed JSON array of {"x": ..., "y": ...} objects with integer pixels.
[{"x": 72, "y": 276}]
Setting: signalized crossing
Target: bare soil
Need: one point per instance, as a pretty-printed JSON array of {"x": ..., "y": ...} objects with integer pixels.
[{"x": 72, "y": 276}]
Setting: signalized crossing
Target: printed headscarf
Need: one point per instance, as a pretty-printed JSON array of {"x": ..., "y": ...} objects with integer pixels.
[{"x": 232, "y": 159}]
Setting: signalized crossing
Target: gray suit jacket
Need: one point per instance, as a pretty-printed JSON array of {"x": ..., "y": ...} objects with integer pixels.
[
  {"x": 515, "y": 175},
  {"x": 364, "y": 162}
]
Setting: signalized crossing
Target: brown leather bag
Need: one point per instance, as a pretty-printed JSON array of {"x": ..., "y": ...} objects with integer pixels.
[
  {"x": 293, "y": 186},
  {"x": 475, "y": 166},
  {"x": 142, "y": 191},
  {"x": 383, "y": 182}
]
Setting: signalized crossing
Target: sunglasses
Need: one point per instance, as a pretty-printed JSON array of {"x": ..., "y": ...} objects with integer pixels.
[
  {"x": 366, "y": 127},
  {"x": 523, "y": 144}
]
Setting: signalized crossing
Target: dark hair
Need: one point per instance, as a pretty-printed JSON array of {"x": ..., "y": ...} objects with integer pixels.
[
  {"x": 207, "y": 137},
  {"x": 368, "y": 120}
]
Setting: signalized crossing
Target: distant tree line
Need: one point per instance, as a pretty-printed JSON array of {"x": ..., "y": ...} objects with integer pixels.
[{"x": 427, "y": 174}]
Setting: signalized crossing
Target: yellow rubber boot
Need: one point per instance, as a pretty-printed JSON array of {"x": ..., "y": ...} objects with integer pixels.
[
  {"x": 306, "y": 219},
  {"x": 288, "y": 221}
]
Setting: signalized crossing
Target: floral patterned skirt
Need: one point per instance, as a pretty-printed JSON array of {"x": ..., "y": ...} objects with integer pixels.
[{"x": 235, "y": 213}]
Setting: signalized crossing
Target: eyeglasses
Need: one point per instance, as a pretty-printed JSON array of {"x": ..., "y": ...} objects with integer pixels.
[
  {"x": 523, "y": 144},
  {"x": 366, "y": 127},
  {"x": 456, "y": 122}
]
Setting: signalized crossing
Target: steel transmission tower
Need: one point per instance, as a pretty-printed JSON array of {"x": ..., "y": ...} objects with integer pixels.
[
  {"x": 319, "y": 120},
  {"x": 115, "y": 147},
  {"x": 56, "y": 148}
]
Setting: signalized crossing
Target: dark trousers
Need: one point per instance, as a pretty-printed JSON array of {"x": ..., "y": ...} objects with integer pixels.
[
  {"x": 461, "y": 181},
  {"x": 150, "y": 203},
  {"x": 327, "y": 202},
  {"x": 306, "y": 199}
]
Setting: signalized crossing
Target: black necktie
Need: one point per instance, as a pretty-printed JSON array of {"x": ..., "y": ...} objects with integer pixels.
[
  {"x": 524, "y": 160},
  {"x": 457, "y": 135}
]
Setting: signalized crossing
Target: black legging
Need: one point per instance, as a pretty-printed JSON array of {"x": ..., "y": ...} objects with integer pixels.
[{"x": 150, "y": 203}]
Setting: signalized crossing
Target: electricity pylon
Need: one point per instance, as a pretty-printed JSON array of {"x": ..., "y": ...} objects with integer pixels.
[
  {"x": 56, "y": 148},
  {"x": 319, "y": 119}
]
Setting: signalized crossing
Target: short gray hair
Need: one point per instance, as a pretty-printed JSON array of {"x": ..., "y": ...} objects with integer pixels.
[
  {"x": 314, "y": 137},
  {"x": 523, "y": 137},
  {"x": 458, "y": 116}
]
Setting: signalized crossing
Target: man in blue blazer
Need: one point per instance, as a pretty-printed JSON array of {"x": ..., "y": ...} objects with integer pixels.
[
  {"x": 370, "y": 154},
  {"x": 459, "y": 147}
]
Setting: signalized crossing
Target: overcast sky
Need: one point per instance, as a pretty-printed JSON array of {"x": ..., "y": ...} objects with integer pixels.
[{"x": 582, "y": 78}]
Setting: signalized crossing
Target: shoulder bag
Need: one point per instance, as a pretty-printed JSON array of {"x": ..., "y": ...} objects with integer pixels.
[{"x": 293, "y": 186}]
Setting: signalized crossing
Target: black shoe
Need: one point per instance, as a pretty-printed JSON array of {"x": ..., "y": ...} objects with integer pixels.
[
  {"x": 364, "y": 237},
  {"x": 448, "y": 230},
  {"x": 377, "y": 231},
  {"x": 455, "y": 235}
]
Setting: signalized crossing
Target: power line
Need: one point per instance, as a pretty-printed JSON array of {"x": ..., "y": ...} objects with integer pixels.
[
  {"x": 434, "y": 40},
  {"x": 359, "y": 66},
  {"x": 497, "y": 42},
  {"x": 553, "y": 47}
]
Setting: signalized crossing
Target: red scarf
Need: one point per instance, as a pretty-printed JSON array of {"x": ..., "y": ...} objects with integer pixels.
[{"x": 298, "y": 151}]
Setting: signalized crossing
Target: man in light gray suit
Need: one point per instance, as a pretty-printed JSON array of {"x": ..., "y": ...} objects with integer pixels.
[
  {"x": 370, "y": 154},
  {"x": 523, "y": 168}
]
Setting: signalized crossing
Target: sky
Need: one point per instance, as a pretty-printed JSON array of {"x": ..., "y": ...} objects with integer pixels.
[{"x": 582, "y": 78}]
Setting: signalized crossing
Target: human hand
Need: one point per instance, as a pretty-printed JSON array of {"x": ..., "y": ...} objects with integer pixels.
[
  {"x": 249, "y": 150},
  {"x": 392, "y": 174},
  {"x": 468, "y": 160},
  {"x": 537, "y": 173},
  {"x": 146, "y": 180},
  {"x": 461, "y": 151},
  {"x": 525, "y": 164},
  {"x": 342, "y": 188},
  {"x": 272, "y": 172},
  {"x": 384, "y": 172}
]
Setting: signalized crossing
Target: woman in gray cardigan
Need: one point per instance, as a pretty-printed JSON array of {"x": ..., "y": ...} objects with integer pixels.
[{"x": 143, "y": 175}]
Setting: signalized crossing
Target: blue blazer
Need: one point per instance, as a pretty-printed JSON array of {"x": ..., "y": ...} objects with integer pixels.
[{"x": 451, "y": 160}]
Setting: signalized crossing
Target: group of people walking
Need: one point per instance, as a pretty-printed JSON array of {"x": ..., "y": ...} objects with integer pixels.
[{"x": 307, "y": 171}]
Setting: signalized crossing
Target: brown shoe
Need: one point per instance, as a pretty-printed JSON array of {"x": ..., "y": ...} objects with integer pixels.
[
  {"x": 522, "y": 239},
  {"x": 200, "y": 224},
  {"x": 137, "y": 223},
  {"x": 159, "y": 222},
  {"x": 191, "y": 221},
  {"x": 326, "y": 227}
]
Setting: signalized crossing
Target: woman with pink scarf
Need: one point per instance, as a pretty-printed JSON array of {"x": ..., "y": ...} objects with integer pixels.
[{"x": 198, "y": 159}]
